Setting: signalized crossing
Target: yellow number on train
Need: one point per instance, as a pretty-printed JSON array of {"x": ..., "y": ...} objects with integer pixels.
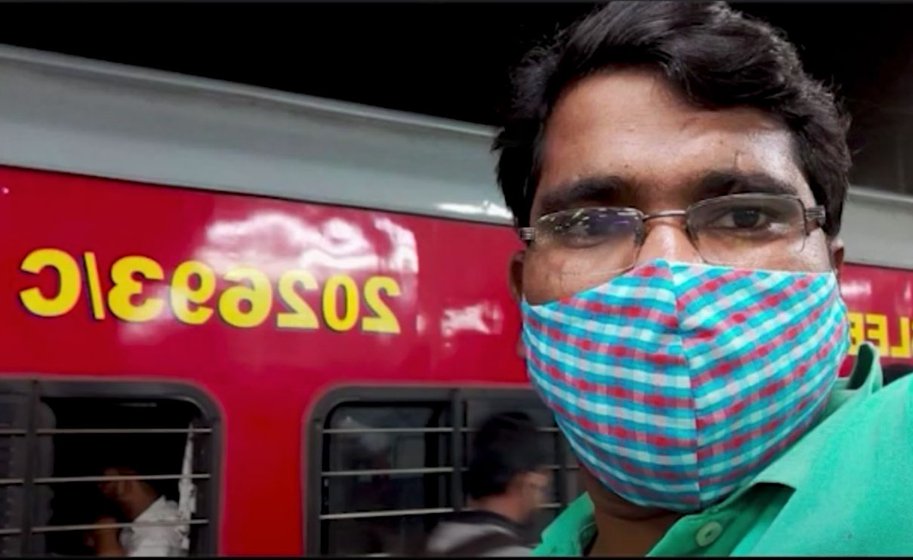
[
  {"x": 69, "y": 285},
  {"x": 301, "y": 316},
  {"x": 256, "y": 291},
  {"x": 188, "y": 303},
  {"x": 383, "y": 321},
  {"x": 124, "y": 299},
  {"x": 350, "y": 296}
]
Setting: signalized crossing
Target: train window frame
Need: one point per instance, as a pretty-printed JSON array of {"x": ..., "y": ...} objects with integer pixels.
[
  {"x": 35, "y": 388},
  {"x": 314, "y": 449}
]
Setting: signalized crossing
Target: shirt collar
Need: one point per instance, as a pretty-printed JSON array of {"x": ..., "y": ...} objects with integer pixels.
[
  {"x": 792, "y": 468},
  {"x": 572, "y": 531},
  {"x": 150, "y": 512}
]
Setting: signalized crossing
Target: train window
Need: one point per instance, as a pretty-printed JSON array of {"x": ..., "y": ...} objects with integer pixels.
[
  {"x": 385, "y": 464},
  {"x": 882, "y": 145},
  {"x": 70, "y": 456}
]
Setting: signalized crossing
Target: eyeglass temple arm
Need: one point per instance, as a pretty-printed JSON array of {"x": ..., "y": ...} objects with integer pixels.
[{"x": 815, "y": 218}]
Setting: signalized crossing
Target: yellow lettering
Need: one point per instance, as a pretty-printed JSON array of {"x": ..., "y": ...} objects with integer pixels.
[
  {"x": 384, "y": 321},
  {"x": 857, "y": 331},
  {"x": 69, "y": 285},
  {"x": 252, "y": 287},
  {"x": 878, "y": 333},
  {"x": 350, "y": 298},
  {"x": 903, "y": 350},
  {"x": 125, "y": 298},
  {"x": 188, "y": 303},
  {"x": 301, "y": 316}
]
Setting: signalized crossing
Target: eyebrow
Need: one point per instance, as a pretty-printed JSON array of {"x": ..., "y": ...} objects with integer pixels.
[
  {"x": 719, "y": 183},
  {"x": 587, "y": 190},
  {"x": 602, "y": 189}
]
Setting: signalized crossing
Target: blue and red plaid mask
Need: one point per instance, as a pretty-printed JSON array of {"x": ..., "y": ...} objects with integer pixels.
[{"x": 677, "y": 383}]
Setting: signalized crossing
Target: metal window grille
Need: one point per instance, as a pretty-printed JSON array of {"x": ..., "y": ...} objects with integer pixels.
[
  {"x": 45, "y": 425},
  {"x": 386, "y": 464}
]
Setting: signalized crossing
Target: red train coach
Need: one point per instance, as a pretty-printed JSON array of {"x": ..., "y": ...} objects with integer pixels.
[{"x": 298, "y": 307}]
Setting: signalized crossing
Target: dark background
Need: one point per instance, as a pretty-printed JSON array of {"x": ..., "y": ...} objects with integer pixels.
[{"x": 452, "y": 59}]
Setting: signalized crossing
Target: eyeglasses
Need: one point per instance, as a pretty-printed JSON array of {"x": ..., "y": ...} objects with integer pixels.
[{"x": 733, "y": 230}]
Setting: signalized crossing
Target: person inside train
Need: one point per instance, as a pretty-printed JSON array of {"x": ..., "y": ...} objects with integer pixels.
[
  {"x": 507, "y": 482},
  {"x": 679, "y": 181},
  {"x": 156, "y": 529}
]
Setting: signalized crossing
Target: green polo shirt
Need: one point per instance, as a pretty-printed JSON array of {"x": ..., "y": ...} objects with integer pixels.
[{"x": 845, "y": 488}]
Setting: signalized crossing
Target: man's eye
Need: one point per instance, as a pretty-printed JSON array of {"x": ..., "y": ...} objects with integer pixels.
[
  {"x": 576, "y": 233},
  {"x": 743, "y": 218},
  {"x": 748, "y": 218},
  {"x": 578, "y": 228},
  {"x": 589, "y": 227}
]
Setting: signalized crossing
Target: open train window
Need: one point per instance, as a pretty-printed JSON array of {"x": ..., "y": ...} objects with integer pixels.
[
  {"x": 59, "y": 441},
  {"x": 384, "y": 464}
]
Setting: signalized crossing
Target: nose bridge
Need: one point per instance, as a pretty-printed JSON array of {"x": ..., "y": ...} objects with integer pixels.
[{"x": 666, "y": 237}]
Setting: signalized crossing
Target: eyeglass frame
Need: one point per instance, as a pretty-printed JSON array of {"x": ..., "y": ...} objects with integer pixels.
[{"x": 814, "y": 217}]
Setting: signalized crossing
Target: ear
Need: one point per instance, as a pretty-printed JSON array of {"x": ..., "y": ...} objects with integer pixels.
[
  {"x": 836, "y": 248},
  {"x": 515, "y": 279}
]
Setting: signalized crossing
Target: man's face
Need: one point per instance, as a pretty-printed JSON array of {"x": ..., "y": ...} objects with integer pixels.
[
  {"x": 630, "y": 126},
  {"x": 110, "y": 488},
  {"x": 533, "y": 490}
]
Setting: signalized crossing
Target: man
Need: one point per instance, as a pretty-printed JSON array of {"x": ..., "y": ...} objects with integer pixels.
[
  {"x": 679, "y": 181},
  {"x": 507, "y": 483},
  {"x": 156, "y": 529}
]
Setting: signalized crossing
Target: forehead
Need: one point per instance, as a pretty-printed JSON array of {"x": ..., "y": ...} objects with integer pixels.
[{"x": 631, "y": 124}]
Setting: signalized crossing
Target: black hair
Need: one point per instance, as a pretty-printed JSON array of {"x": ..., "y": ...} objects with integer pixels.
[
  {"x": 714, "y": 56},
  {"x": 505, "y": 446}
]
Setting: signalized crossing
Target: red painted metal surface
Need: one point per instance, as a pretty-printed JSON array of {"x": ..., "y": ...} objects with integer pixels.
[
  {"x": 881, "y": 308},
  {"x": 264, "y": 317},
  {"x": 455, "y": 319}
]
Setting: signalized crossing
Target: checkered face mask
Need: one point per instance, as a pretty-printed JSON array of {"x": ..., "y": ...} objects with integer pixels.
[{"x": 677, "y": 383}]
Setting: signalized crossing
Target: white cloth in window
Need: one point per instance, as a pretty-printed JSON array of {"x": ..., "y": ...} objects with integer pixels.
[{"x": 156, "y": 541}]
